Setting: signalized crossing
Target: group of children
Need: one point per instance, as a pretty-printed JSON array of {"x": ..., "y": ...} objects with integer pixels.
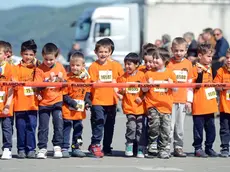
[{"x": 155, "y": 116}]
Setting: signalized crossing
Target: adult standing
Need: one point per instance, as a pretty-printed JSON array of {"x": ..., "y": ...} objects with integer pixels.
[
  {"x": 192, "y": 46},
  {"x": 209, "y": 37}
]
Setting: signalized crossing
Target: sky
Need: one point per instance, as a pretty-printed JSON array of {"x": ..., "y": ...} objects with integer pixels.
[{"x": 56, "y": 3}]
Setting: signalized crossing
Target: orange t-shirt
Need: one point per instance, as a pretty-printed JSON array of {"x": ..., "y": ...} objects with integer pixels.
[
  {"x": 50, "y": 95},
  {"x": 183, "y": 72},
  {"x": 103, "y": 73},
  {"x": 129, "y": 105},
  {"x": 24, "y": 97},
  {"x": 6, "y": 75},
  {"x": 223, "y": 76},
  {"x": 204, "y": 99},
  {"x": 78, "y": 94},
  {"x": 160, "y": 98},
  {"x": 142, "y": 67}
]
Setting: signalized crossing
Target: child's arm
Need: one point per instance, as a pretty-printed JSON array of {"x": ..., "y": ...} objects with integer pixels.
[
  {"x": 87, "y": 99},
  {"x": 6, "y": 109},
  {"x": 69, "y": 101}
]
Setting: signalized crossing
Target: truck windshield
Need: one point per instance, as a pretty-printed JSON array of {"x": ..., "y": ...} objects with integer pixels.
[{"x": 82, "y": 30}]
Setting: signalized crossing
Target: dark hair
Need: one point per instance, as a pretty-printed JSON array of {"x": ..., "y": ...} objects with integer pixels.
[
  {"x": 208, "y": 30},
  {"x": 103, "y": 43},
  {"x": 162, "y": 53},
  {"x": 29, "y": 45},
  {"x": 149, "y": 52},
  {"x": 132, "y": 57},
  {"x": 148, "y": 46},
  {"x": 50, "y": 48},
  {"x": 3, "y": 45},
  {"x": 111, "y": 43},
  {"x": 205, "y": 48}
]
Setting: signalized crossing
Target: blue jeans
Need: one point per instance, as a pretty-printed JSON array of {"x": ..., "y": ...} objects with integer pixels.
[
  {"x": 224, "y": 130},
  {"x": 26, "y": 124},
  {"x": 7, "y": 131},
  {"x": 77, "y": 132},
  {"x": 43, "y": 128}
]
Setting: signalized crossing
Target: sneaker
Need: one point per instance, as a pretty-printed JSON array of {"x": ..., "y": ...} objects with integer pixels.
[
  {"x": 108, "y": 151},
  {"x": 200, "y": 153},
  {"x": 42, "y": 153},
  {"x": 95, "y": 150},
  {"x": 78, "y": 153},
  {"x": 163, "y": 155},
  {"x": 21, "y": 154},
  {"x": 152, "y": 150},
  {"x": 140, "y": 152},
  {"x": 6, "y": 154},
  {"x": 31, "y": 155},
  {"x": 57, "y": 152},
  {"x": 178, "y": 152},
  {"x": 129, "y": 149},
  {"x": 224, "y": 153},
  {"x": 211, "y": 153},
  {"x": 65, "y": 153}
]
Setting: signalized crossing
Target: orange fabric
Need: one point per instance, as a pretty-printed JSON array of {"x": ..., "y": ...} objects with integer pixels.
[
  {"x": 185, "y": 67},
  {"x": 75, "y": 93},
  {"x": 49, "y": 95},
  {"x": 160, "y": 98},
  {"x": 201, "y": 103},
  {"x": 129, "y": 105},
  {"x": 141, "y": 68},
  {"x": 103, "y": 96},
  {"x": 6, "y": 75},
  {"x": 24, "y": 97},
  {"x": 223, "y": 76}
]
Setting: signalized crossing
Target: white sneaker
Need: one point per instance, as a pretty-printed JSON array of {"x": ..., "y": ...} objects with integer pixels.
[
  {"x": 42, "y": 153},
  {"x": 140, "y": 152},
  {"x": 6, "y": 154},
  {"x": 129, "y": 149},
  {"x": 57, "y": 152}
]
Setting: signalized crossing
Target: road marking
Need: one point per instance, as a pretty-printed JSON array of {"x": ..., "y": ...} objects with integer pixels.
[{"x": 160, "y": 169}]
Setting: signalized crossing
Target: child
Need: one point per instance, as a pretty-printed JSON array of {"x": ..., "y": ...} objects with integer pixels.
[
  {"x": 6, "y": 104},
  {"x": 110, "y": 120},
  {"x": 204, "y": 104},
  {"x": 76, "y": 100},
  {"x": 26, "y": 112},
  {"x": 102, "y": 70},
  {"x": 223, "y": 76},
  {"x": 159, "y": 102},
  {"x": 133, "y": 106},
  {"x": 50, "y": 101},
  {"x": 182, "y": 97}
]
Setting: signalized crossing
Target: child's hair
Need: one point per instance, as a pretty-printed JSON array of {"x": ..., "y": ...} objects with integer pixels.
[
  {"x": 147, "y": 46},
  {"x": 77, "y": 55},
  {"x": 3, "y": 45},
  {"x": 205, "y": 48},
  {"x": 103, "y": 43},
  {"x": 162, "y": 53},
  {"x": 111, "y": 43},
  {"x": 50, "y": 48},
  {"x": 179, "y": 41},
  {"x": 132, "y": 57},
  {"x": 228, "y": 51},
  {"x": 29, "y": 45},
  {"x": 149, "y": 52}
]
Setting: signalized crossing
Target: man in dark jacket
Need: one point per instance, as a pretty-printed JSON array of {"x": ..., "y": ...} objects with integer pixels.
[{"x": 221, "y": 49}]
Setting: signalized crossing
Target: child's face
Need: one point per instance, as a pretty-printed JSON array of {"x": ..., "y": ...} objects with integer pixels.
[
  {"x": 227, "y": 60},
  {"x": 158, "y": 63},
  {"x": 2, "y": 55},
  {"x": 130, "y": 67},
  {"x": 149, "y": 62},
  {"x": 179, "y": 51},
  {"x": 77, "y": 65},
  {"x": 28, "y": 56},
  {"x": 206, "y": 59},
  {"x": 103, "y": 53},
  {"x": 49, "y": 59}
]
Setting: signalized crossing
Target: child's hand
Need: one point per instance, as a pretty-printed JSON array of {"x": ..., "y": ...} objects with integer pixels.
[
  {"x": 199, "y": 70},
  {"x": 138, "y": 100},
  {"x": 188, "y": 107},
  {"x": 52, "y": 76},
  {"x": 60, "y": 76},
  {"x": 6, "y": 110},
  {"x": 150, "y": 80},
  {"x": 120, "y": 96},
  {"x": 170, "y": 80},
  {"x": 39, "y": 97}
]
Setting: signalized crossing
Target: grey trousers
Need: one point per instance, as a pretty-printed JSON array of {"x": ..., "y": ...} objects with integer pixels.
[
  {"x": 136, "y": 129},
  {"x": 159, "y": 128}
]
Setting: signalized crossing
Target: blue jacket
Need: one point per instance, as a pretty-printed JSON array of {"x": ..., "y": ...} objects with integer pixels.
[{"x": 221, "y": 48}]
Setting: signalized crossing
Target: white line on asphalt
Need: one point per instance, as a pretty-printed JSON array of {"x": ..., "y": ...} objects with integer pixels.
[{"x": 160, "y": 169}]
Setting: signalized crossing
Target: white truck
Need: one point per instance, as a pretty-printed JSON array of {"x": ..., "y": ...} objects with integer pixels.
[{"x": 131, "y": 25}]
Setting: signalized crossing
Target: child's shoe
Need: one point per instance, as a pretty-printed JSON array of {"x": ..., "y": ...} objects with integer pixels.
[
  {"x": 152, "y": 149},
  {"x": 31, "y": 155},
  {"x": 65, "y": 153},
  {"x": 78, "y": 153},
  {"x": 95, "y": 150},
  {"x": 200, "y": 153},
  {"x": 21, "y": 154},
  {"x": 129, "y": 149},
  {"x": 57, "y": 152},
  {"x": 178, "y": 152},
  {"x": 211, "y": 153},
  {"x": 42, "y": 154},
  {"x": 163, "y": 155},
  {"x": 224, "y": 153},
  {"x": 6, "y": 154},
  {"x": 140, "y": 152}
]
